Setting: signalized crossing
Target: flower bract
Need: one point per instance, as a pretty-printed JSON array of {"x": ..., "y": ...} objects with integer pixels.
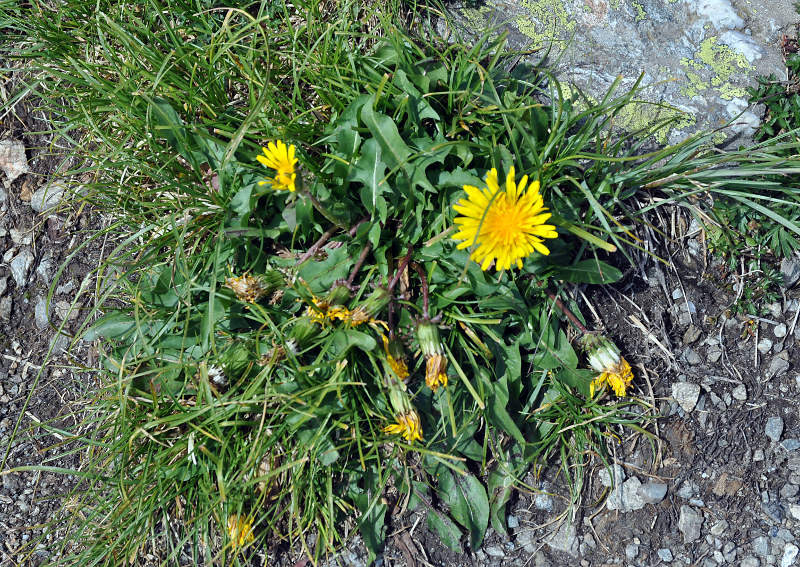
[
  {"x": 280, "y": 157},
  {"x": 247, "y": 288},
  {"x": 504, "y": 226}
]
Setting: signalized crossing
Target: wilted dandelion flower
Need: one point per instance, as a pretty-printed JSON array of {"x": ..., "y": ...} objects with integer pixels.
[
  {"x": 247, "y": 288},
  {"x": 604, "y": 357},
  {"x": 504, "y": 226},
  {"x": 435, "y": 371},
  {"x": 430, "y": 344},
  {"x": 408, "y": 425},
  {"x": 394, "y": 359},
  {"x": 240, "y": 530},
  {"x": 322, "y": 311},
  {"x": 280, "y": 157}
]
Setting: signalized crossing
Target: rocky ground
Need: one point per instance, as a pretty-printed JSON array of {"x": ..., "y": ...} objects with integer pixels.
[
  {"x": 40, "y": 381},
  {"x": 721, "y": 486}
]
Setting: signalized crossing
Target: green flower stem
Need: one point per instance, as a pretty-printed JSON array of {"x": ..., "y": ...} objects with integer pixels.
[{"x": 464, "y": 379}]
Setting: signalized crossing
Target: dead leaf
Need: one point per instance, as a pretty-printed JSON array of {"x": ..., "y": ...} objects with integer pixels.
[{"x": 28, "y": 189}]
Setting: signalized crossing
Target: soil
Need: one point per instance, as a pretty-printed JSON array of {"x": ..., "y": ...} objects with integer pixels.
[{"x": 41, "y": 383}]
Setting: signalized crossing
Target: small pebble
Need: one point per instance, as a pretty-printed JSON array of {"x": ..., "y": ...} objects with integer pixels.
[
  {"x": 719, "y": 528},
  {"x": 774, "y": 428},
  {"x": 779, "y": 365},
  {"x": 665, "y": 555},
  {"x": 791, "y": 444},
  {"x": 494, "y": 551},
  {"x": 691, "y": 356},
  {"x": 513, "y": 522},
  {"x": 740, "y": 393},
  {"x": 789, "y": 554},
  {"x": 764, "y": 346},
  {"x": 691, "y": 335},
  {"x": 779, "y": 331},
  {"x": 631, "y": 551},
  {"x": 653, "y": 492},
  {"x": 686, "y": 394}
]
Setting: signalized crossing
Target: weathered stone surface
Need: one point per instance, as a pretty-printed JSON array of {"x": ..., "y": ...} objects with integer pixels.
[
  {"x": 48, "y": 196},
  {"x": 689, "y": 523},
  {"x": 565, "y": 539},
  {"x": 697, "y": 55},
  {"x": 686, "y": 394},
  {"x": 13, "y": 160}
]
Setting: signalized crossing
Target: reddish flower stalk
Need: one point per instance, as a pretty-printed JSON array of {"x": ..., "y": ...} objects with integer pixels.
[
  {"x": 403, "y": 264},
  {"x": 425, "y": 298}
]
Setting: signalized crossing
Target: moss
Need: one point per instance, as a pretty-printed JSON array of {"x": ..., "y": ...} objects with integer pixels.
[{"x": 548, "y": 23}]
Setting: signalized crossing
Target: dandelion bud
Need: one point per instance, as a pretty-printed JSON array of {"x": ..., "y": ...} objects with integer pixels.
[
  {"x": 240, "y": 530},
  {"x": 339, "y": 293},
  {"x": 395, "y": 359},
  {"x": 303, "y": 331},
  {"x": 430, "y": 342},
  {"x": 369, "y": 309}
]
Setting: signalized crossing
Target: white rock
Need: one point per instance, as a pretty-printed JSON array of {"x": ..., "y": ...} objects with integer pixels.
[
  {"x": 5, "y": 308},
  {"x": 20, "y": 237},
  {"x": 20, "y": 266},
  {"x": 565, "y": 539},
  {"x": 789, "y": 554},
  {"x": 48, "y": 196},
  {"x": 690, "y": 523},
  {"x": 743, "y": 44},
  {"x": 605, "y": 475},
  {"x": 740, "y": 393},
  {"x": 719, "y": 12},
  {"x": 13, "y": 160},
  {"x": 686, "y": 394},
  {"x": 626, "y": 496}
]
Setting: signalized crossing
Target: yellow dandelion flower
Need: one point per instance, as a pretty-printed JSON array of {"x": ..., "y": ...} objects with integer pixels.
[
  {"x": 619, "y": 376},
  {"x": 280, "y": 157},
  {"x": 408, "y": 425},
  {"x": 435, "y": 371},
  {"x": 504, "y": 226},
  {"x": 240, "y": 530}
]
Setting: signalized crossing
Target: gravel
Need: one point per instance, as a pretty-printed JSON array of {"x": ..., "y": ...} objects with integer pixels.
[
  {"x": 774, "y": 428},
  {"x": 686, "y": 394}
]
